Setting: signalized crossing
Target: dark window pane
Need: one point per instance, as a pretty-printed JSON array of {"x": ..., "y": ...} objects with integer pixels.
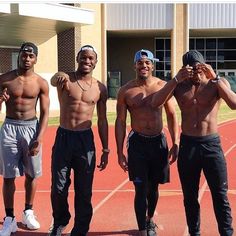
[
  {"x": 226, "y": 55},
  {"x": 211, "y": 55},
  {"x": 160, "y": 66},
  {"x": 160, "y": 74},
  {"x": 167, "y": 44},
  {"x": 226, "y": 65},
  {"x": 167, "y": 55},
  {"x": 191, "y": 44},
  {"x": 199, "y": 44},
  {"x": 160, "y": 44},
  {"x": 167, "y": 65},
  {"x": 210, "y": 43},
  {"x": 227, "y": 43},
  {"x": 212, "y": 63},
  {"x": 168, "y": 76},
  {"x": 160, "y": 55}
]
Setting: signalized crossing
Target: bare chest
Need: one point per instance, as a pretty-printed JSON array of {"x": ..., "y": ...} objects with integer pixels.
[
  {"x": 79, "y": 95},
  {"x": 23, "y": 89},
  {"x": 139, "y": 98},
  {"x": 191, "y": 96}
]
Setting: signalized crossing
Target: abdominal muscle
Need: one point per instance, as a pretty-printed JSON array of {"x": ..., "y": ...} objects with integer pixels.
[
  {"x": 76, "y": 116},
  {"x": 147, "y": 124}
]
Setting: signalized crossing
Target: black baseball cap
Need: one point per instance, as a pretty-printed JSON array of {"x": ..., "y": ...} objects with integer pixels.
[
  {"x": 192, "y": 57},
  {"x": 29, "y": 47}
]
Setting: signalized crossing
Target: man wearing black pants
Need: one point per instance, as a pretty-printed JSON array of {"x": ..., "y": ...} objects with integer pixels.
[{"x": 198, "y": 92}]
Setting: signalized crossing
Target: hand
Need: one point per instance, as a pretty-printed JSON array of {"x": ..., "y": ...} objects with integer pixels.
[
  {"x": 63, "y": 80},
  {"x": 4, "y": 96},
  {"x": 184, "y": 73},
  {"x": 123, "y": 162},
  {"x": 173, "y": 154},
  {"x": 207, "y": 70},
  {"x": 34, "y": 148},
  {"x": 104, "y": 161}
]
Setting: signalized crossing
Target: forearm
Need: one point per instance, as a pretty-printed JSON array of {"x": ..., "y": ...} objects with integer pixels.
[
  {"x": 161, "y": 96},
  {"x": 43, "y": 123},
  {"x": 120, "y": 131},
  {"x": 173, "y": 128},
  {"x": 103, "y": 132},
  {"x": 227, "y": 94}
]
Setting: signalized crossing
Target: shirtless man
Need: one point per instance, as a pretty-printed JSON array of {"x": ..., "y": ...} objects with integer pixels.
[
  {"x": 21, "y": 134},
  {"x": 198, "y": 91},
  {"x": 74, "y": 148},
  {"x": 148, "y": 162}
]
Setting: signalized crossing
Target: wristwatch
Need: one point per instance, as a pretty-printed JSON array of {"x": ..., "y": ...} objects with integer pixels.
[
  {"x": 216, "y": 80},
  {"x": 106, "y": 150}
]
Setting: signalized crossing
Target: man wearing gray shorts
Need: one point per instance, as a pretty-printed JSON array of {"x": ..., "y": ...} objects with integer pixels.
[{"x": 21, "y": 134}]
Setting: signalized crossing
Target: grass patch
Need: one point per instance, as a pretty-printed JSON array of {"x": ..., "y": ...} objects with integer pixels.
[{"x": 224, "y": 114}]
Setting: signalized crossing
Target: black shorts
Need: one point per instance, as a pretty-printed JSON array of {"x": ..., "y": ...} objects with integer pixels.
[{"x": 148, "y": 158}]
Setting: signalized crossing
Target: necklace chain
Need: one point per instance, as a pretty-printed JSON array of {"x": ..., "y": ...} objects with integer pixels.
[{"x": 89, "y": 84}]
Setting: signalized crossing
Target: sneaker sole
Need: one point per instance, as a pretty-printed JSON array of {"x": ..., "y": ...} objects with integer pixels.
[{"x": 33, "y": 228}]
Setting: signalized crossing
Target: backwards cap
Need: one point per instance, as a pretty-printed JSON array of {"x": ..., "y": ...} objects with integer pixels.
[
  {"x": 192, "y": 57},
  {"x": 29, "y": 47},
  {"x": 87, "y": 47},
  {"x": 143, "y": 52}
]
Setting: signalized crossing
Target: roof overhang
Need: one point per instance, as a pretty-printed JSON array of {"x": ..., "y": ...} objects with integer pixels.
[{"x": 38, "y": 22}]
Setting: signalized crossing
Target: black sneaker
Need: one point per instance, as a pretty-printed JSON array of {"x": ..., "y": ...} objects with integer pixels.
[
  {"x": 56, "y": 230},
  {"x": 151, "y": 228}
]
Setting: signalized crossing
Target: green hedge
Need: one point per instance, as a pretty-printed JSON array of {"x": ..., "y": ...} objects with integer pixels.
[{"x": 232, "y": 81}]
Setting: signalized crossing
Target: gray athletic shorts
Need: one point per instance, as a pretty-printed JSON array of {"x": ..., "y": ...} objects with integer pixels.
[{"x": 15, "y": 138}]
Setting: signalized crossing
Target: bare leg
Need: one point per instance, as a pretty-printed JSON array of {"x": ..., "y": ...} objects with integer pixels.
[
  {"x": 8, "y": 192},
  {"x": 30, "y": 189}
]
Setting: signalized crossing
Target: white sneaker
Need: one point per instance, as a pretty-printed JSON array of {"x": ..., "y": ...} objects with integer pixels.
[
  {"x": 29, "y": 219},
  {"x": 9, "y": 226}
]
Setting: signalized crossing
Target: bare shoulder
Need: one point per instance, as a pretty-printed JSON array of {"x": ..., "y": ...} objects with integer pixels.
[
  {"x": 129, "y": 85},
  {"x": 43, "y": 83},
  {"x": 159, "y": 82},
  {"x": 7, "y": 76}
]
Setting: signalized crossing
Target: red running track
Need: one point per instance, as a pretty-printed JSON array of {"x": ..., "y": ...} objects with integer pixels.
[{"x": 113, "y": 195}]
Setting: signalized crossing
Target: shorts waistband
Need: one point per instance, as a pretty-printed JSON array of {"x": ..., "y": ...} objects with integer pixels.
[
  {"x": 200, "y": 138},
  {"x": 74, "y": 131},
  {"x": 21, "y": 122},
  {"x": 146, "y": 136}
]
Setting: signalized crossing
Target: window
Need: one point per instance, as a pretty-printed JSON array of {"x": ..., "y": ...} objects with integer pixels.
[{"x": 163, "y": 53}]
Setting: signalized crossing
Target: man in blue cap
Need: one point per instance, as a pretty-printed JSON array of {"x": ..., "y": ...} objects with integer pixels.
[
  {"x": 199, "y": 91},
  {"x": 148, "y": 159}
]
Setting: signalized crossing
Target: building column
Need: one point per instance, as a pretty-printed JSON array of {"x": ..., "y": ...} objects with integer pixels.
[{"x": 179, "y": 36}]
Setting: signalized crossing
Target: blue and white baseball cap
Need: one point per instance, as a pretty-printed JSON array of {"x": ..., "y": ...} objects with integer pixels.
[{"x": 144, "y": 53}]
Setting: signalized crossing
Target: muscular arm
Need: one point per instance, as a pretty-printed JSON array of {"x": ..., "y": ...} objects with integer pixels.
[
  {"x": 161, "y": 96},
  {"x": 120, "y": 128},
  {"x": 44, "y": 109},
  {"x": 102, "y": 118},
  {"x": 226, "y": 93},
  {"x": 173, "y": 128},
  {"x": 103, "y": 126}
]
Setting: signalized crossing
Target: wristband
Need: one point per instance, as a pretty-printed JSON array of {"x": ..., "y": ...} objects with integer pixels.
[
  {"x": 106, "y": 150},
  {"x": 176, "y": 80},
  {"x": 216, "y": 80}
]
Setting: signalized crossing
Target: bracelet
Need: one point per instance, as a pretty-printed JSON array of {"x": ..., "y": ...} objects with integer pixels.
[
  {"x": 216, "y": 80},
  {"x": 176, "y": 80},
  {"x": 106, "y": 150}
]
